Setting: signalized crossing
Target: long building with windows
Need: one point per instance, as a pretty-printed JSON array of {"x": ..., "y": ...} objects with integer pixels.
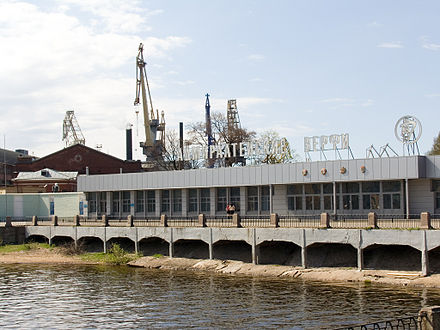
[{"x": 398, "y": 186}]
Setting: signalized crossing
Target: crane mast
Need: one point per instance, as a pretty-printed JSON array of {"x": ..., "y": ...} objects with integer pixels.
[
  {"x": 152, "y": 148},
  {"x": 71, "y": 131}
]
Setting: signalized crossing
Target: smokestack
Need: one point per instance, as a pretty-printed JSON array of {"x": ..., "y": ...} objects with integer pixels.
[{"x": 128, "y": 143}]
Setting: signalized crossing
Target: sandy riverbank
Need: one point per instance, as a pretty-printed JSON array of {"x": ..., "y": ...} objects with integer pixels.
[{"x": 331, "y": 275}]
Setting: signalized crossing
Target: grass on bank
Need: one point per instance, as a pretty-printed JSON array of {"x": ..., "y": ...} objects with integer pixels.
[
  {"x": 116, "y": 255},
  {"x": 24, "y": 247}
]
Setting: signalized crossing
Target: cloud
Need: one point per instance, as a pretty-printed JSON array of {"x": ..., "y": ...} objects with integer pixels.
[
  {"x": 55, "y": 59},
  {"x": 374, "y": 24},
  {"x": 392, "y": 44},
  {"x": 255, "y": 57},
  {"x": 433, "y": 95},
  {"x": 256, "y": 80},
  {"x": 427, "y": 44}
]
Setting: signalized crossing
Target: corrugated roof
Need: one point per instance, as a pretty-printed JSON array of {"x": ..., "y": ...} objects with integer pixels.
[{"x": 46, "y": 174}]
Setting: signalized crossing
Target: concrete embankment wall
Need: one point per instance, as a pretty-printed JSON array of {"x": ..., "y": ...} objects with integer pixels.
[{"x": 12, "y": 235}]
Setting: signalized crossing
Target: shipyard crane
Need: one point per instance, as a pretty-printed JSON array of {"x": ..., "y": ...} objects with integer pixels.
[
  {"x": 71, "y": 131},
  {"x": 232, "y": 116},
  {"x": 151, "y": 148}
]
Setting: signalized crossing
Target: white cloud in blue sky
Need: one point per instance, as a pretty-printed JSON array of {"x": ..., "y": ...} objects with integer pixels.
[{"x": 302, "y": 68}]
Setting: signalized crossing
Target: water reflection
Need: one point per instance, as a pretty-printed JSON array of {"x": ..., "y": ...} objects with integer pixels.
[{"x": 34, "y": 296}]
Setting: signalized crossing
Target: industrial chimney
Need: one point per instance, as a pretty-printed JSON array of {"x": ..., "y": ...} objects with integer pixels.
[{"x": 129, "y": 143}]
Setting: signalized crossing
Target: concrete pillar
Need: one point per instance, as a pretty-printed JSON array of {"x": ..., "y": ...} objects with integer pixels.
[
  {"x": 76, "y": 220},
  {"x": 163, "y": 220},
  {"x": 133, "y": 202},
  {"x": 8, "y": 222},
  {"x": 236, "y": 220},
  {"x": 372, "y": 220},
  {"x": 54, "y": 220},
  {"x": 105, "y": 220},
  {"x": 105, "y": 237},
  {"x": 185, "y": 202},
  {"x": 425, "y": 220},
  {"x": 212, "y": 201},
  {"x": 325, "y": 220},
  {"x": 157, "y": 200},
  {"x": 34, "y": 220},
  {"x": 255, "y": 248},
  {"x": 304, "y": 250},
  {"x": 271, "y": 198},
  {"x": 407, "y": 198},
  {"x": 360, "y": 255},
  {"x": 274, "y": 220},
  {"x": 202, "y": 220},
  {"x": 171, "y": 251},
  {"x": 211, "y": 254},
  {"x": 429, "y": 318},
  {"x": 130, "y": 221},
  {"x": 424, "y": 253},
  {"x": 243, "y": 201},
  {"x": 136, "y": 242}
]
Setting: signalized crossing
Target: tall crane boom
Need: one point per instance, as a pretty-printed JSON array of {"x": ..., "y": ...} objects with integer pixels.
[
  {"x": 71, "y": 131},
  {"x": 152, "y": 148}
]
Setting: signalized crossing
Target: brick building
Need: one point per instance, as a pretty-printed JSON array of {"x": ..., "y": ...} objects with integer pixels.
[{"x": 78, "y": 158}]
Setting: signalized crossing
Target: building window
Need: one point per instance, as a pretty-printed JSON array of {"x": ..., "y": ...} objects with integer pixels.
[
  {"x": 140, "y": 201},
  {"x": 102, "y": 202},
  {"x": 126, "y": 201},
  {"x": 371, "y": 186},
  {"x": 92, "y": 202},
  {"x": 115, "y": 202},
  {"x": 391, "y": 194},
  {"x": 234, "y": 197},
  {"x": 222, "y": 199},
  {"x": 327, "y": 189},
  {"x": 350, "y": 195},
  {"x": 177, "y": 200},
  {"x": 252, "y": 199},
  {"x": 165, "y": 201},
  {"x": 151, "y": 201},
  {"x": 436, "y": 190},
  {"x": 192, "y": 200},
  {"x": 313, "y": 196},
  {"x": 265, "y": 198},
  {"x": 294, "y": 197},
  {"x": 205, "y": 200},
  {"x": 370, "y": 201}
]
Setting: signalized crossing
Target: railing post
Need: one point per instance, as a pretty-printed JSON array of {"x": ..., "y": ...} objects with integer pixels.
[
  {"x": 105, "y": 220},
  {"x": 274, "y": 220},
  {"x": 425, "y": 220},
  {"x": 163, "y": 220},
  {"x": 429, "y": 318},
  {"x": 8, "y": 222},
  {"x": 325, "y": 220},
  {"x": 34, "y": 220},
  {"x": 372, "y": 220},
  {"x": 54, "y": 220},
  {"x": 76, "y": 220},
  {"x": 236, "y": 220},
  {"x": 130, "y": 220},
  {"x": 202, "y": 220}
]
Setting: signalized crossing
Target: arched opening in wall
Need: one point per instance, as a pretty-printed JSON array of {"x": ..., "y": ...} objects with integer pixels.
[
  {"x": 125, "y": 243},
  {"x": 331, "y": 255},
  {"x": 91, "y": 244},
  {"x": 279, "y": 253},
  {"x": 62, "y": 240},
  {"x": 37, "y": 239},
  {"x": 392, "y": 257},
  {"x": 434, "y": 260},
  {"x": 187, "y": 248},
  {"x": 154, "y": 245},
  {"x": 232, "y": 250}
]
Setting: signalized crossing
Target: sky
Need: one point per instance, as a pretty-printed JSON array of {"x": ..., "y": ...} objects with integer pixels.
[{"x": 302, "y": 68}]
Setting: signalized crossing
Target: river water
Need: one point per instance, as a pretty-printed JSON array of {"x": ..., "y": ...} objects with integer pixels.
[{"x": 66, "y": 296}]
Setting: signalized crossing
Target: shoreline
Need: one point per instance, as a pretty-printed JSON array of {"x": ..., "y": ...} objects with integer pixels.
[
  {"x": 325, "y": 275},
  {"x": 232, "y": 267}
]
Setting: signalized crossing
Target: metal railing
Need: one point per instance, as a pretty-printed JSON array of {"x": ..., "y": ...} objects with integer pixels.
[
  {"x": 146, "y": 222},
  {"x": 300, "y": 221},
  {"x": 219, "y": 221},
  {"x": 183, "y": 222},
  {"x": 410, "y": 322},
  {"x": 255, "y": 221}
]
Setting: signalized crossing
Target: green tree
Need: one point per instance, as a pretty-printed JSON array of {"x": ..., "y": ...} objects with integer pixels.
[
  {"x": 287, "y": 154},
  {"x": 436, "y": 146}
]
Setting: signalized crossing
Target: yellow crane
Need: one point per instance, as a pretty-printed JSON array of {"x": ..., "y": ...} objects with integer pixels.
[{"x": 151, "y": 148}]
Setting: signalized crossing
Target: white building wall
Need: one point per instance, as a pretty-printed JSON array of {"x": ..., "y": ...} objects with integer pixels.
[
  {"x": 279, "y": 199},
  {"x": 421, "y": 199}
]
